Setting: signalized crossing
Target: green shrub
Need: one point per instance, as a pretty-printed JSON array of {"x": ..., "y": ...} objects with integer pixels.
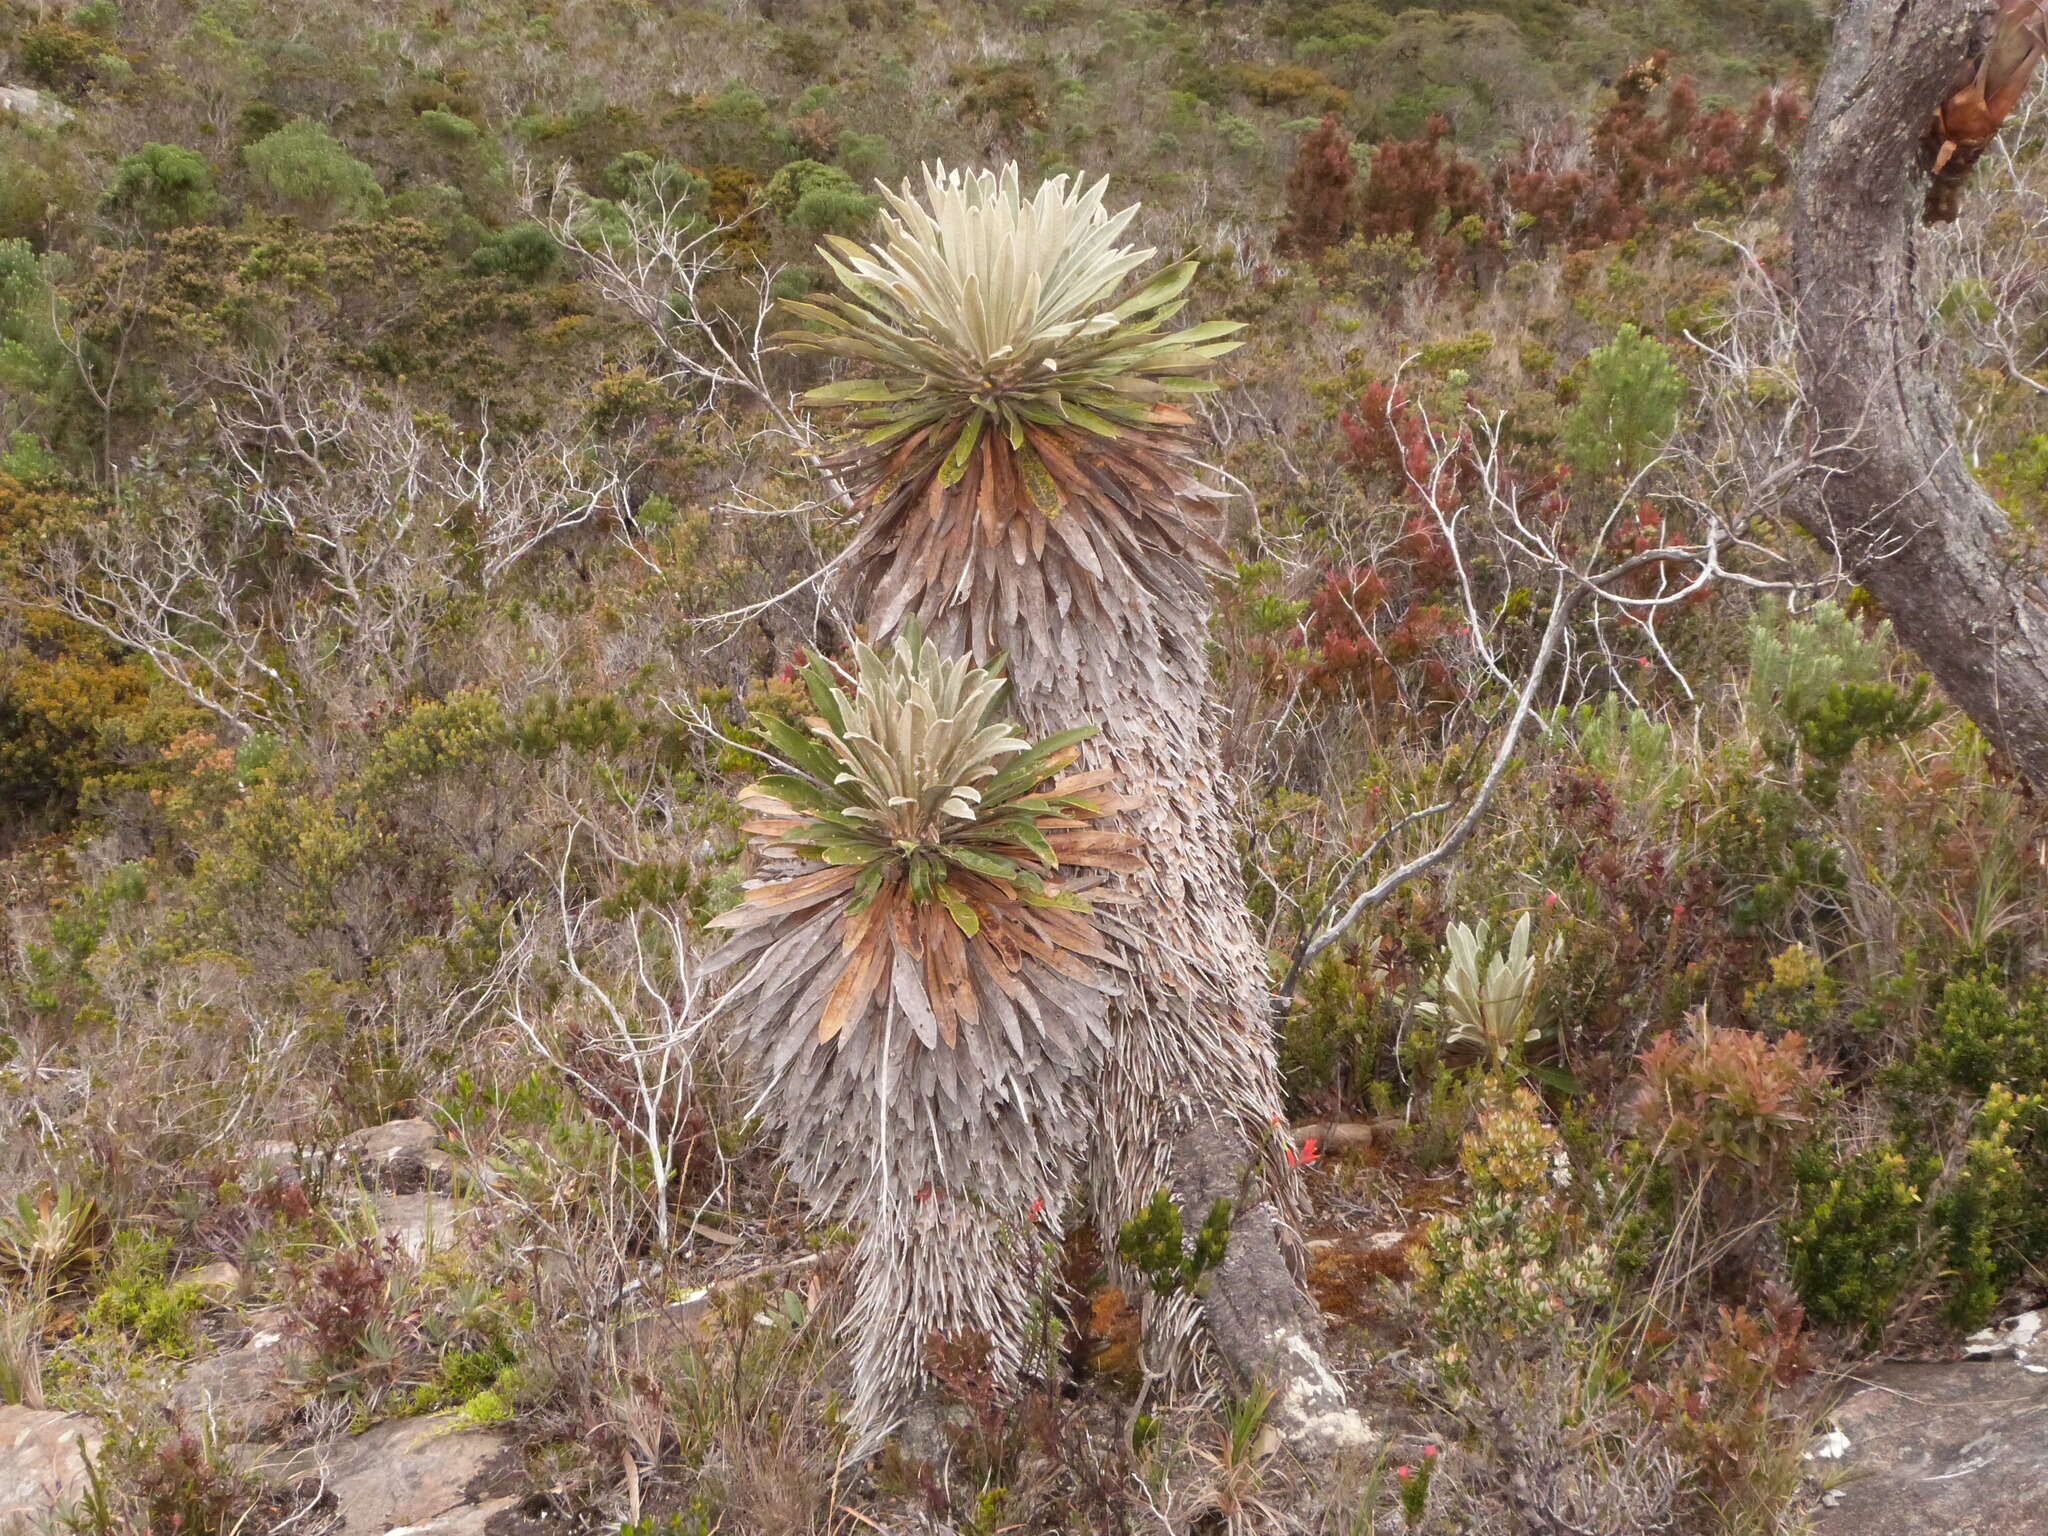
[
  {"x": 866, "y": 157},
  {"x": 30, "y": 354},
  {"x": 137, "y": 1301},
  {"x": 1853, "y": 1238},
  {"x": 63, "y": 58},
  {"x": 815, "y": 199},
  {"x": 163, "y": 187},
  {"x": 449, "y": 127},
  {"x": 1982, "y": 1034},
  {"x": 306, "y": 170},
  {"x": 436, "y": 736},
  {"x": 1510, "y": 1260},
  {"x": 1982, "y": 1213},
  {"x": 526, "y": 253},
  {"x": 1627, "y": 407},
  {"x": 1153, "y": 1242}
]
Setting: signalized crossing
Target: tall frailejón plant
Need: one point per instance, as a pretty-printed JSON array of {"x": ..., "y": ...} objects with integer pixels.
[
  {"x": 925, "y": 990},
  {"x": 1027, "y": 475}
]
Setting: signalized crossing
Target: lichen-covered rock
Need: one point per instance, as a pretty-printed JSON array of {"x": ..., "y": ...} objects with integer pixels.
[
  {"x": 403, "y": 1156},
  {"x": 244, "y": 1393},
  {"x": 1960, "y": 1449},
  {"x": 42, "y": 1464},
  {"x": 439, "y": 1473},
  {"x": 34, "y": 106}
]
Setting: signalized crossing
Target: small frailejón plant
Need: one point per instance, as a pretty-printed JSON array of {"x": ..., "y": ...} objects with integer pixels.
[
  {"x": 1486, "y": 999},
  {"x": 1029, "y": 483},
  {"x": 925, "y": 991}
]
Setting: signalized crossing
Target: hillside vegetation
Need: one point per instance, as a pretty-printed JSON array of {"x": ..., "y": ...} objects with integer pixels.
[{"x": 405, "y": 513}]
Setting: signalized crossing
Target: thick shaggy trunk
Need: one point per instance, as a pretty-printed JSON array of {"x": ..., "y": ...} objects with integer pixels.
[
  {"x": 1103, "y": 613},
  {"x": 1892, "y": 493},
  {"x": 1190, "y": 1094}
]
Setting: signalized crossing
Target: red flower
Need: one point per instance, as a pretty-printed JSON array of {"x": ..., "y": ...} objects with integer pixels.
[
  {"x": 1429, "y": 1453},
  {"x": 1309, "y": 1152},
  {"x": 1404, "y": 1473}
]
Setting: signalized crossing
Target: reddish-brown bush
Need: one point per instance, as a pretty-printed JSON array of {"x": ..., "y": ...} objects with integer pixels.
[
  {"x": 1421, "y": 188},
  {"x": 1319, "y": 190}
]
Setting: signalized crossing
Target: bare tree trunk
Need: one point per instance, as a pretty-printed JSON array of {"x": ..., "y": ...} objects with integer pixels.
[{"x": 1892, "y": 494}]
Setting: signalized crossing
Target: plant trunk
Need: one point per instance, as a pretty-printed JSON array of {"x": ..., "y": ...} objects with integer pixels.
[
  {"x": 1190, "y": 1096},
  {"x": 1892, "y": 494}
]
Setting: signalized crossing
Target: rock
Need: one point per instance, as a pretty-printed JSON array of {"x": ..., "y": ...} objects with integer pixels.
[
  {"x": 659, "y": 1335},
  {"x": 245, "y": 1393},
  {"x": 439, "y": 1473},
  {"x": 221, "y": 1281},
  {"x": 2017, "y": 1338},
  {"x": 42, "y": 1464},
  {"x": 402, "y": 1156},
  {"x": 424, "y": 1223},
  {"x": 46, "y": 111},
  {"x": 1958, "y": 1448},
  {"x": 486, "y": 1519}
]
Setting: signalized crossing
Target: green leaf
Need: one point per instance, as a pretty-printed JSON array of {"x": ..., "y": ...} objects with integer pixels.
[
  {"x": 1086, "y": 419},
  {"x": 801, "y": 793},
  {"x": 1167, "y": 285},
  {"x": 1027, "y": 768},
  {"x": 858, "y": 391},
  {"x": 1027, "y": 833},
  {"x": 963, "y": 914},
  {"x": 1210, "y": 330},
  {"x": 800, "y": 748},
  {"x": 992, "y": 865},
  {"x": 955, "y": 467}
]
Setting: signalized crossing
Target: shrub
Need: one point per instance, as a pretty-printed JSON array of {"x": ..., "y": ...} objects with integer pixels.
[
  {"x": 163, "y": 187},
  {"x": 1154, "y": 1244},
  {"x": 1817, "y": 688},
  {"x": 1981, "y": 1034},
  {"x": 30, "y": 354},
  {"x": 172, "y": 1478},
  {"x": 336, "y": 1304},
  {"x": 61, "y": 688},
  {"x": 1725, "y": 1412},
  {"x": 63, "y": 58},
  {"x": 1981, "y": 1215},
  {"x": 1420, "y": 188},
  {"x": 1510, "y": 1261},
  {"x": 1726, "y": 1104},
  {"x": 1627, "y": 408},
  {"x": 1852, "y": 1239},
  {"x": 306, "y": 170},
  {"x": 449, "y": 127},
  {"x": 1319, "y": 190},
  {"x": 138, "y": 1302},
  {"x": 524, "y": 252},
  {"x": 817, "y": 200}
]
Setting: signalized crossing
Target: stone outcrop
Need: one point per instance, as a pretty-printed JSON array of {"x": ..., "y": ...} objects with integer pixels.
[
  {"x": 1959, "y": 1448},
  {"x": 439, "y": 1474},
  {"x": 402, "y": 1156},
  {"x": 42, "y": 1464}
]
